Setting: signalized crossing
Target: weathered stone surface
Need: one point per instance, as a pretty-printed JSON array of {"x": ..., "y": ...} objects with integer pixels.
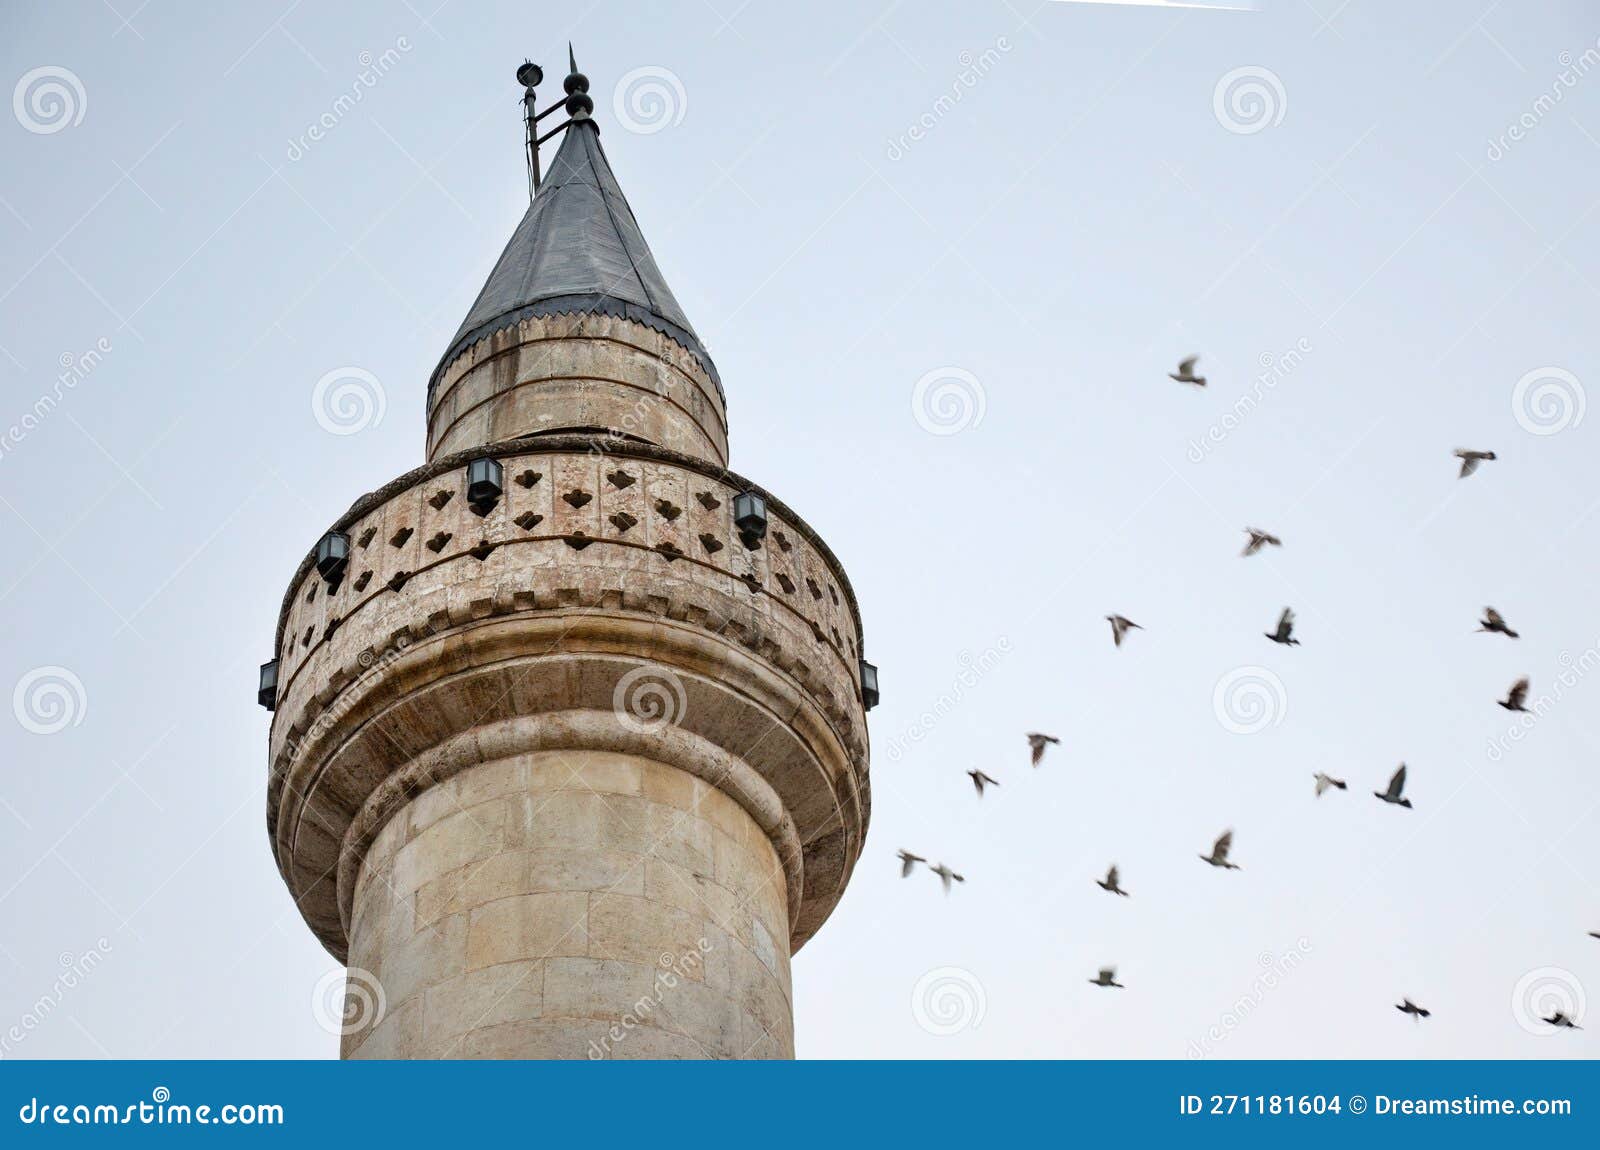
[{"x": 583, "y": 938}]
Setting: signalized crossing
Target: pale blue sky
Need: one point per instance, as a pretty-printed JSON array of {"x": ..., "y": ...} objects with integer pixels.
[{"x": 1077, "y": 221}]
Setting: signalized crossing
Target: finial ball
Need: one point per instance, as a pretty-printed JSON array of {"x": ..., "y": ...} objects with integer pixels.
[
  {"x": 576, "y": 82},
  {"x": 579, "y": 104}
]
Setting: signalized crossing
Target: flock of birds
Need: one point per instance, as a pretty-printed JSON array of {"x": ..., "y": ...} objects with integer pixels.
[{"x": 1283, "y": 634}]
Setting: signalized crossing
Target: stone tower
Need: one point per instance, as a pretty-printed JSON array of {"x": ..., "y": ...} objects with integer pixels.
[{"x": 569, "y": 752}]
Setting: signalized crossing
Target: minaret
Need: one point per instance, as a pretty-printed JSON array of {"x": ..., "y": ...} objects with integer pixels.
[{"x": 569, "y": 749}]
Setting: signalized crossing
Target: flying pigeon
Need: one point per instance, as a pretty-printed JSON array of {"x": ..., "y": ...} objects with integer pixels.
[
  {"x": 1185, "y": 372},
  {"x": 1285, "y": 632},
  {"x": 1470, "y": 460},
  {"x": 1120, "y": 626},
  {"x": 908, "y": 863},
  {"x": 1219, "y": 852},
  {"x": 1397, "y": 783},
  {"x": 1038, "y": 743},
  {"x": 1560, "y": 1020},
  {"x": 1109, "y": 883},
  {"x": 1326, "y": 781},
  {"x": 1517, "y": 696},
  {"x": 1108, "y": 977},
  {"x": 1493, "y": 621},
  {"x": 1258, "y": 540},
  {"x": 1406, "y": 1006},
  {"x": 981, "y": 780},
  {"x": 945, "y": 875}
]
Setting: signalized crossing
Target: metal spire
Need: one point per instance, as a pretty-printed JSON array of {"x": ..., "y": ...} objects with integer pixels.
[{"x": 577, "y": 103}]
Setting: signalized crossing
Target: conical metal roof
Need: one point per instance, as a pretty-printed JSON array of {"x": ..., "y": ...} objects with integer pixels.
[{"x": 577, "y": 250}]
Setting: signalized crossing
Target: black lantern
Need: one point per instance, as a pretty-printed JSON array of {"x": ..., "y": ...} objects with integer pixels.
[
  {"x": 267, "y": 688},
  {"x": 333, "y": 555},
  {"x": 485, "y": 478},
  {"x": 869, "y": 685},
  {"x": 750, "y": 515}
]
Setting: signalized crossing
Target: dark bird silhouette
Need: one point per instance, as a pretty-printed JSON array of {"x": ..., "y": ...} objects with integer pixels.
[
  {"x": 1110, "y": 882},
  {"x": 1038, "y": 743},
  {"x": 945, "y": 875},
  {"x": 1560, "y": 1020},
  {"x": 1594, "y": 934},
  {"x": 1285, "y": 632},
  {"x": 1108, "y": 977},
  {"x": 1185, "y": 372},
  {"x": 1258, "y": 540},
  {"x": 1493, "y": 621},
  {"x": 1120, "y": 626},
  {"x": 1406, "y": 1006},
  {"x": 1517, "y": 696},
  {"x": 1326, "y": 781},
  {"x": 908, "y": 862},
  {"x": 1470, "y": 460},
  {"x": 981, "y": 780},
  {"x": 1397, "y": 783},
  {"x": 1219, "y": 852}
]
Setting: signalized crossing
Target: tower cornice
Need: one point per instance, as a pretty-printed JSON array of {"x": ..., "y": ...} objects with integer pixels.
[{"x": 604, "y": 445}]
